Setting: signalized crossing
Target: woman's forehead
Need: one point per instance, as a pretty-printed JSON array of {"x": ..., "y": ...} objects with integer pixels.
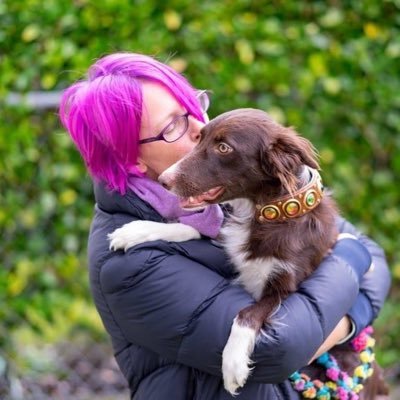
[{"x": 159, "y": 106}]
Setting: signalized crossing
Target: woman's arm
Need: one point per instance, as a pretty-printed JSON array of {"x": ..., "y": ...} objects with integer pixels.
[
  {"x": 374, "y": 289},
  {"x": 309, "y": 316},
  {"x": 338, "y": 335},
  {"x": 183, "y": 311},
  {"x": 375, "y": 284}
]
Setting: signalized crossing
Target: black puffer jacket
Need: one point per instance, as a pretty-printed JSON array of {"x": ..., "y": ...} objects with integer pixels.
[{"x": 168, "y": 308}]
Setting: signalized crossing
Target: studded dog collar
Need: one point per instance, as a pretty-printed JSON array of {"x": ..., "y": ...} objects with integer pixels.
[{"x": 292, "y": 206}]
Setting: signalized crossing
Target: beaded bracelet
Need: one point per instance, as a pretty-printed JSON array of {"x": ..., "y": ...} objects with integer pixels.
[{"x": 339, "y": 385}]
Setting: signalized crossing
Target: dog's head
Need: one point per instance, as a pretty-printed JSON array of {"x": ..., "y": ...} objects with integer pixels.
[{"x": 240, "y": 153}]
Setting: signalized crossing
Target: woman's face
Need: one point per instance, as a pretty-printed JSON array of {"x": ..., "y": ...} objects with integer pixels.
[{"x": 159, "y": 109}]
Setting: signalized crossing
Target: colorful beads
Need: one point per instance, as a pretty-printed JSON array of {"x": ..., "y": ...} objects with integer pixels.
[
  {"x": 299, "y": 385},
  {"x": 360, "y": 372},
  {"x": 360, "y": 342},
  {"x": 332, "y": 373},
  {"x": 340, "y": 385},
  {"x": 324, "y": 358},
  {"x": 367, "y": 356},
  {"x": 331, "y": 385},
  {"x": 310, "y": 393},
  {"x": 341, "y": 393},
  {"x": 323, "y": 394},
  {"x": 358, "y": 388}
]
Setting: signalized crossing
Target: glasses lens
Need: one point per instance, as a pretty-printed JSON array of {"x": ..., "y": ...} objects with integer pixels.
[
  {"x": 204, "y": 100},
  {"x": 176, "y": 128}
]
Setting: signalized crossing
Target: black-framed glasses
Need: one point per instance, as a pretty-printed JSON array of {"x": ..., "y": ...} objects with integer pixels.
[{"x": 179, "y": 125}]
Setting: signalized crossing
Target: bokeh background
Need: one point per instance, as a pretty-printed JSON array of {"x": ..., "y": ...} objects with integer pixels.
[{"x": 328, "y": 68}]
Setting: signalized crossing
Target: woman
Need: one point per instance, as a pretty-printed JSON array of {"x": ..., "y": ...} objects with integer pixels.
[{"x": 169, "y": 307}]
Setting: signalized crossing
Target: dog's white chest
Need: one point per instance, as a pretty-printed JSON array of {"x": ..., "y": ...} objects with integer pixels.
[{"x": 254, "y": 273}]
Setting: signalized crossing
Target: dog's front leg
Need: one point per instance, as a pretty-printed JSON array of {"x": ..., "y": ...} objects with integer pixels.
[
  {"x": 236, "y": 361},
  {"x": 137, "y": 232}
]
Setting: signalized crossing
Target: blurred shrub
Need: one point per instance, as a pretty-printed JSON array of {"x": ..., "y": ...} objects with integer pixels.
[{"x": 328, "y": 68}]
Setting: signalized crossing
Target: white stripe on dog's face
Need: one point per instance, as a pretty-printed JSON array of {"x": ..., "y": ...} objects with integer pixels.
[{"x": 168, "y": 177}]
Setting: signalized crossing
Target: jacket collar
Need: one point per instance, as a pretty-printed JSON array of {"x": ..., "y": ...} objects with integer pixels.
[{"x": 114, "y": 203}]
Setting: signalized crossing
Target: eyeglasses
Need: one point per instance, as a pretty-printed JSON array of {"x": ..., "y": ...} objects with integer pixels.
[{"x": 179, "y": 125}]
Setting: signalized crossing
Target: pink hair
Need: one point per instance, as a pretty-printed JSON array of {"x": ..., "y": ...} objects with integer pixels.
[{"x": 103, "y": 113}]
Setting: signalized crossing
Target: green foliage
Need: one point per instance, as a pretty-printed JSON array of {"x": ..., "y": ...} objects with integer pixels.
[{"x": 328, "y": 68}]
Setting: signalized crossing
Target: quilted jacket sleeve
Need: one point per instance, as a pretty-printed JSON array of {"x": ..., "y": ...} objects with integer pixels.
[
  {"x": 375, "y": 284},
  {"x": 183, "y": 311}
]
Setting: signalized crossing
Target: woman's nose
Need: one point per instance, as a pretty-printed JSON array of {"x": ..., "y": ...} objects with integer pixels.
[{"x": 195, "y": 128}]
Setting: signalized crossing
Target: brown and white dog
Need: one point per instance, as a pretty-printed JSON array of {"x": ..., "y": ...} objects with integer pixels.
[{"x": 282, "y": 223}]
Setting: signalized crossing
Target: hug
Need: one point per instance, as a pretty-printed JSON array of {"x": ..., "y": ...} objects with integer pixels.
[{"x": 169, "y": 304}]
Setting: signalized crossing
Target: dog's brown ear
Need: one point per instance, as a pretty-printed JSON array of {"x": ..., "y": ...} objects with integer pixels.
[{"x": 285, "y": 154}]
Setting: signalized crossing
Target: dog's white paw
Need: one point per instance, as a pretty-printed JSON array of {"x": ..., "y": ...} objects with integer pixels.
[
  {"x": 137, "y": 232},
  {"x": 128, "y": 236},
  {"x": 236, "y": 362}
]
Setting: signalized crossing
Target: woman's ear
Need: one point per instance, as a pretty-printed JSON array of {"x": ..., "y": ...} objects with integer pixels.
[{"x": 141, "y": 166}]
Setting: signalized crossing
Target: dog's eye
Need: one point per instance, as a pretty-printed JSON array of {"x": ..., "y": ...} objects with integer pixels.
[{"x": 224, "y": 148}]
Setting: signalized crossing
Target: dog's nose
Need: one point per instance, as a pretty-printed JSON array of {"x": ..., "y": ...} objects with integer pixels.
[{"x": 166, "y": 180}]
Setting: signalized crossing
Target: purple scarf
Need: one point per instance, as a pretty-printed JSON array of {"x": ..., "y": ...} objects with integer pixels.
[{"x": 207, "y": 221}]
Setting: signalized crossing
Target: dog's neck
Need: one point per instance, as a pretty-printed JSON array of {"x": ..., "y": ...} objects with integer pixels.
[
  {"x": 273, "y": 191},
  {"x": 304, "y": 176},
  {"x": 280, "y": 205}
]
